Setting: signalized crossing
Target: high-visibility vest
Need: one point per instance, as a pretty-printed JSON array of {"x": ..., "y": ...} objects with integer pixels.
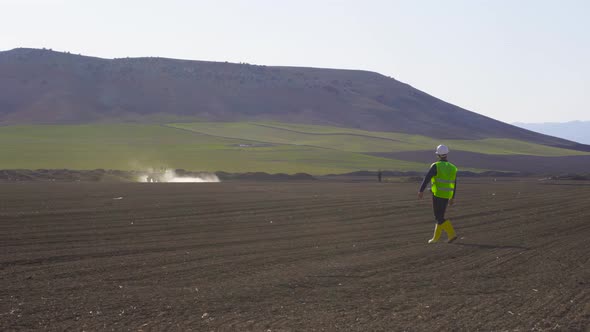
[{"x": 443, "y": 183}]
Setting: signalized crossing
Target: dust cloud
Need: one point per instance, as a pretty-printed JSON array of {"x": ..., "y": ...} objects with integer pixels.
[{"x": 170, "y": 176}]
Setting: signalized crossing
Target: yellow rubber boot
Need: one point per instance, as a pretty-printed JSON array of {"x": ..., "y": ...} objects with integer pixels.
[
  {"x": 437, "y": 232},
  {"x": 448, "y": 227}
]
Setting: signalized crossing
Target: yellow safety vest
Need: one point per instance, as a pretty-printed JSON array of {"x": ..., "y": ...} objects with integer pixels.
[{"x": 443, "y": 183}]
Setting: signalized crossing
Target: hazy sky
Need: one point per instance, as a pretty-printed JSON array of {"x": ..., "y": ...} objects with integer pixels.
[{"x": 525, "y": 60}]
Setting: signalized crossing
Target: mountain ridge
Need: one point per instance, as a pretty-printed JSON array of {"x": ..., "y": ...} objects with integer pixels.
[{"x": 44, "y": 86}]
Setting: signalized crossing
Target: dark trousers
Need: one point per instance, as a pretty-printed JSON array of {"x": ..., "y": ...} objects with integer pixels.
[{"x": 439, "y": 205}]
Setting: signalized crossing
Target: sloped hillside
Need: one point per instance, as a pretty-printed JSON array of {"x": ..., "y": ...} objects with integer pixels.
[{"x": 43, "y": 86}]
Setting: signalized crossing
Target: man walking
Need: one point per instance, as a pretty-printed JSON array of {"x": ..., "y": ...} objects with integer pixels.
[{"x": 443, "y": 178}]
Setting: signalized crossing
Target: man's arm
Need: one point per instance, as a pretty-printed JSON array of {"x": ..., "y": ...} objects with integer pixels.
[
  {"x": 427, "y": 178},
  {"x": 452, "y": 200}
]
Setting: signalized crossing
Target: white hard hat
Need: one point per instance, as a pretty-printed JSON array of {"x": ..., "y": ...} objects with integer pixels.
[{"x": 442, "y": 150}]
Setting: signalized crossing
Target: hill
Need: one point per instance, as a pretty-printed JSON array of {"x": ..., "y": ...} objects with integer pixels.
[{"x": 47, "y": 87}]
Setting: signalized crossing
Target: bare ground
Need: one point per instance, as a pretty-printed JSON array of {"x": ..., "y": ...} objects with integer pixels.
[
  {"x": 512, "y": 163},
  {"x": 310, "y": 256}
]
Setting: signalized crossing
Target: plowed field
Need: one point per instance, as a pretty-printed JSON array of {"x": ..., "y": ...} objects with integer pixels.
[{"x": 313, "y": 256}]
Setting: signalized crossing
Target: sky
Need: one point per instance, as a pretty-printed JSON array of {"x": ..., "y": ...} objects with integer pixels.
[{"x": 525, "y": 61}]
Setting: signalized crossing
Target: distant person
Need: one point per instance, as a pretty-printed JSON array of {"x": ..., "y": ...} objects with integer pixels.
[
  {"x": 443, "y": 178},
  {"x": 379, "y": 176}
]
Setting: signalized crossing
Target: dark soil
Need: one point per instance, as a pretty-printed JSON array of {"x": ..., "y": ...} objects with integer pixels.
[
  {"x": 101, "y": 175},
  {"x": 292, "y": 256},
  {"x": 510, "y": 163}
]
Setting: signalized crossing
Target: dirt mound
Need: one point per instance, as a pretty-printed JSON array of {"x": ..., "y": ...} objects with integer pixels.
[
  {"x": 262, "y": 176},
  {"x": 508, "y": 163},
  {"x": 68, "y": 175},
  {"x": 373, "y": 174},
  {"x": 575, "y": 177},
  {"x": 101, "y": 175}
]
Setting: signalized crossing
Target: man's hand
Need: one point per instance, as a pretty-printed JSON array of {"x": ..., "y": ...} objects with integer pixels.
[
  {"x": 421, "y": 195},
  {"x": 451, "y": 201}
]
